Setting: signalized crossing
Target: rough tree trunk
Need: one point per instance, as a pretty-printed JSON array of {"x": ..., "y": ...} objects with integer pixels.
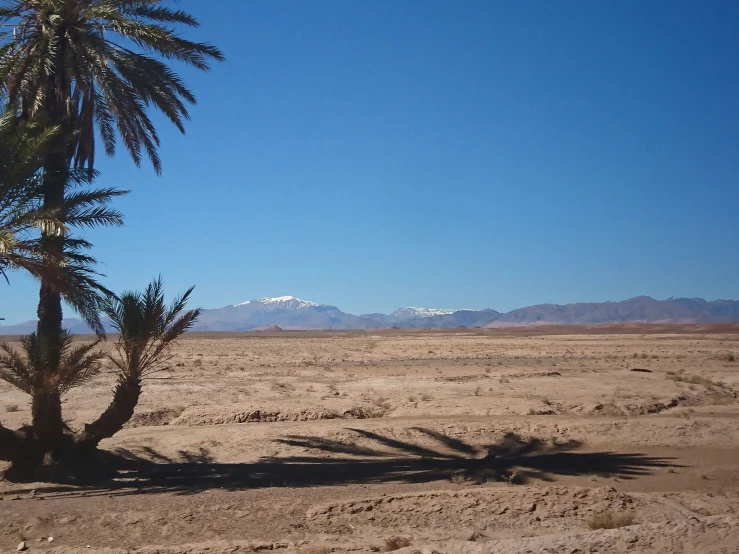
[
  {"x": 46, "y": 407},
  {"x": 46, "y": 417},
  {"x": 11, "y": 446},
  {"x": 71, "y": 458},
  {"x": 112, "y": 420},
  {"x": 47, "y": 422}
]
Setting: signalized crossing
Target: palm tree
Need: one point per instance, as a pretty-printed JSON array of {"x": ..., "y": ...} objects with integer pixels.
[
  {"x": 22, "y": 216},
  {"x": 61, "y": 58},
  {"x": 147, "y": 327},
  {"x": 20, "y": 194},
  {"x": 93, "y": 68},
  {"x": 71, "y": 275}
]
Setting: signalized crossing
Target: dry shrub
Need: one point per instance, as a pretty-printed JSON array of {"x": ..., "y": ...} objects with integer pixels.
[
  {"x": 695, "y": 380},
  {"x": 381, "y": 402},
  {"x": 458, "y": 478},
  {"x": 477, "y": 535},
  {"x": 395, "y": 543},
  {"x": 511, "y": 478},
  {"x": 610, "y": 520},
  {"x": 313, "y": 549}
]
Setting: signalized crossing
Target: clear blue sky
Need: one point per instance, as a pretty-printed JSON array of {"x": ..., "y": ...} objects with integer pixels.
[{"x": 383, "y": 153}]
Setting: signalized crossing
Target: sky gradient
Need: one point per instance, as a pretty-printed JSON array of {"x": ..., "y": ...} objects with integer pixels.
[{"x": 385, "y": 153}]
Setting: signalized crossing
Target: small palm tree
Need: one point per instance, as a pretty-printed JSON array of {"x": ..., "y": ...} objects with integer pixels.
[
  {"x": 77, "y": 365},
  {"x": 147, "y": 327}
]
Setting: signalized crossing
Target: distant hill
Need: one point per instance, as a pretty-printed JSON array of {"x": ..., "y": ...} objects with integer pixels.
[
  {"x": 640, "y": 308},
  {"x": 289, "y": 312},
  {"x": 273, "y": 329}
]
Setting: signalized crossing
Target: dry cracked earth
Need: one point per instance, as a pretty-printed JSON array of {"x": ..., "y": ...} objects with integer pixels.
[{"x": 462, "y": 441}]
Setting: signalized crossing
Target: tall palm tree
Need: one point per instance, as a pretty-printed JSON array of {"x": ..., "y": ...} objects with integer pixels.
[
  {"x": 70, "y": 274},
  {"x": 93, "y": 68}
]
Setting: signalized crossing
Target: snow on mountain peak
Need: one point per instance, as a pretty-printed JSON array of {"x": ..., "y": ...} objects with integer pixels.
[
  {"x": 410, "y": 312},
  {"x": 277, "y": 302}
]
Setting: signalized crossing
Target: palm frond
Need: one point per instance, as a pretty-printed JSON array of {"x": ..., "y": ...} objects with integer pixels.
[
  {"x": 75, "y": 54},
  {"x": 14, "y": 369},
  {"x": 74, "y": 365},
  {"x": 23, "y": 218},
  {"x": 79, "y": 365}
]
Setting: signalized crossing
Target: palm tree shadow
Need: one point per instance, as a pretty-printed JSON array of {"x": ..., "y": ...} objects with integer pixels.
[
  {"x": 513, "y": 459},
  {"x": 385, "y": 460}
]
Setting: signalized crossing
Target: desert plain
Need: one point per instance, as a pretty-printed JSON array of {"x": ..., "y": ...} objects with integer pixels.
[{"x": 566, "y": 440}]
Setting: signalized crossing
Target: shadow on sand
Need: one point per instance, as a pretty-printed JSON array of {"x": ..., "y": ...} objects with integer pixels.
[{"x": 386, "y": 460}]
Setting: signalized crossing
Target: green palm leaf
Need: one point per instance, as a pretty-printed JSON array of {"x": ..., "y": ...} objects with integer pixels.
[{"x": 23, "y": 218}]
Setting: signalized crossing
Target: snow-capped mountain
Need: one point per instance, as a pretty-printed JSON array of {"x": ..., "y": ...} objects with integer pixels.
[
  {"x": 289, "y": 312},
  {"x": 410, "y": 313},
  {"x": 276, "y": 303}
]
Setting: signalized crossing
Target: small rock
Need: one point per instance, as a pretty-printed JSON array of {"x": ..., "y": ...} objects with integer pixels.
[
  {"x": 50, "y": 539},
  {"x": 32, "y": 494},
  {"x": 21, "y": 547}
]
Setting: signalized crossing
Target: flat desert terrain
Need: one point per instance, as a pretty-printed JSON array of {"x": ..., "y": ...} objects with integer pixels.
[{"x": 454, "y": 441}]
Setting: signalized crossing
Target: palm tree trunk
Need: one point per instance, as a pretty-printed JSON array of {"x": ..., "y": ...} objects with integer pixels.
[
  {"x": 46, "y": 417},
  {"x": 10, "y": 444},
  {"x": 46, "y": 407},
  {"x": 112, "y": 420}
]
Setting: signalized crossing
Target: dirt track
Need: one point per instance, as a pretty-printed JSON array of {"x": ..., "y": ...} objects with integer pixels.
[{"x": 458, "y": 441}]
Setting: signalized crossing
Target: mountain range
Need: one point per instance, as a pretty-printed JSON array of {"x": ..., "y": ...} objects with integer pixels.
[{"x": 289, "y": 312}]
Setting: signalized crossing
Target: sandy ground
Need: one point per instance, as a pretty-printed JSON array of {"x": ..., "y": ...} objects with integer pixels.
[{"x": 457, "y": 441}]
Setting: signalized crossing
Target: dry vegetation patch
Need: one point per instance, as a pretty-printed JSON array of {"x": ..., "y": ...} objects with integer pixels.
[
  {"x": 611, "y": 520},
  {"x": 396, "y": 543}
]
